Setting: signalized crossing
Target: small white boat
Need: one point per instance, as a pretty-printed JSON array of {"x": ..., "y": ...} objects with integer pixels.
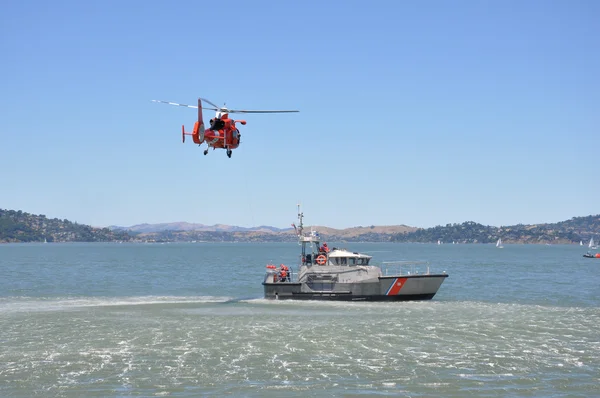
[
  {"x": 499, "y": 244},
  {"x": 592, "y": 245}
]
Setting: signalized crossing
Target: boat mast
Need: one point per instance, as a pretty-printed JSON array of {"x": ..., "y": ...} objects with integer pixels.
[
  {"x": 300, "y": 233},
  {"x": 300, "y": 226}
]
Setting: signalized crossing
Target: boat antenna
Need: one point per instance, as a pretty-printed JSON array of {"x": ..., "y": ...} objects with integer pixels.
[{"x": 300, "y": 216}]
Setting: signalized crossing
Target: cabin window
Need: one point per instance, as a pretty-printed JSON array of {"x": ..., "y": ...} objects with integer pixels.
[
  {"x": 352, "y": 261},
  {"x": 343, "y": 261}
]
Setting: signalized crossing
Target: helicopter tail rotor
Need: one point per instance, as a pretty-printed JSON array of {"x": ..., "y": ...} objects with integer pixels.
[{"x": 197, "y": 134}]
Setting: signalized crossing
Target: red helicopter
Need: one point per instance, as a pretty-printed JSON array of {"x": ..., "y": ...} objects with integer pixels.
[{"x": 222, "y": 132}]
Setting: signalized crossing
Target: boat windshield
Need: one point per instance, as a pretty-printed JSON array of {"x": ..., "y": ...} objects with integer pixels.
[{"x": 350, "y": 261}]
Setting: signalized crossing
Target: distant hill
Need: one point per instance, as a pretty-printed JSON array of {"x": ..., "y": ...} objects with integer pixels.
[
  {"x": 185, "y": 226},
  {"x": 359, "y": 231},
  {"x": 570, "y": 231},
  {"x": 18, "y": 226},
  {"x": 224, "y": 233}
]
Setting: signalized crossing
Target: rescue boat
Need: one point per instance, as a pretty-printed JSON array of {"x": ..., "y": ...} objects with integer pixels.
[
  {"x": 590, "y": 255},
  {"x": 341, "y": 274}
]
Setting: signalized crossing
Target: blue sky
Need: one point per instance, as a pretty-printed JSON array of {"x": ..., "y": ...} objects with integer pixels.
[{"x": 411, "y": 112}]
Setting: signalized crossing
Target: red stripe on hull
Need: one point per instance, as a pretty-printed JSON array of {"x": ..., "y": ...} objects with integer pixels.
[{"x": 398, "y": 284}]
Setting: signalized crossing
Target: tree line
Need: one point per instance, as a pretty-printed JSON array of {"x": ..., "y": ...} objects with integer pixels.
[
  {"x": 19, "y": 226},
  {"x": 571, "y": 231}
]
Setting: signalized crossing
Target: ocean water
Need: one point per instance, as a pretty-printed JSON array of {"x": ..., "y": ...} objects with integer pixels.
[{"x": 188, "y": 320}]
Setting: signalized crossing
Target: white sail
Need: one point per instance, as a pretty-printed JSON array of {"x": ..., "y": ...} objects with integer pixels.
[
  {"x": 580, "y": 243},
  {"x": 591, "y": 243},
  {"x": 499, "y": 243}
]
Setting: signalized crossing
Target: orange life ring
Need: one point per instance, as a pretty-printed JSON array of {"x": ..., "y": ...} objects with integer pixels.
[{"x": 321, "y": 260}]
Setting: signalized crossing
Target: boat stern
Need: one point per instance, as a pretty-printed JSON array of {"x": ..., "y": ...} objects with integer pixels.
[{"x": 281, "y": 290}]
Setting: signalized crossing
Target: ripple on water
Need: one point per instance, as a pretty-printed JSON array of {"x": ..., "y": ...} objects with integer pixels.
[{"x": 208, "y": 346}]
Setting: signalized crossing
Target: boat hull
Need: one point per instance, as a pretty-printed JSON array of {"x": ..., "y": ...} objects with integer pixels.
[{"x": 387, "y": 288}]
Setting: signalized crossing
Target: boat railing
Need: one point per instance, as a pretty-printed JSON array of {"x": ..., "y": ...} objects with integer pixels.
[
  {"x": 405, "y": 268},
  {"x": 292, "y": 276}
]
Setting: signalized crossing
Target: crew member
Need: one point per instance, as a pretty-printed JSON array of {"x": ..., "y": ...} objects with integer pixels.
[
  {"x": 324, "y": 248},
  {"x": 216, "y": 124},
  {"x": 283, "y": 273}
]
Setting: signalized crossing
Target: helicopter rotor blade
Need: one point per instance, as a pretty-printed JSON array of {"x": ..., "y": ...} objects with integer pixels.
[
  {"x": 245, "y": 111},
  {"x": 224, "y": 109},
  {"x": 227, "y": 110},
  {"x": 184, "y": 105},
  {"x": 207, "y": 101}
]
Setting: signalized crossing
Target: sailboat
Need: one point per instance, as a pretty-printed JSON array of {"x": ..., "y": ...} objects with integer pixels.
[
  {"x": 580, "y": 243},
  {"x": 499, "y": 244},
  {"x": 592, "y": 245}
]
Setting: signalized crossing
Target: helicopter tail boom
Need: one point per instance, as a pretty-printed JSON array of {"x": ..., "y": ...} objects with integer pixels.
[{"x": 200, "y": 121}]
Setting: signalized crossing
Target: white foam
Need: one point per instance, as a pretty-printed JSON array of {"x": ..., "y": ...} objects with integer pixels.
[{"x": 42, "y": 304}]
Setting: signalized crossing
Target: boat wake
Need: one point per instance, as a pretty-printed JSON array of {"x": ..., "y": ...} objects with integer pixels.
[{"x": 44, "y": 304}]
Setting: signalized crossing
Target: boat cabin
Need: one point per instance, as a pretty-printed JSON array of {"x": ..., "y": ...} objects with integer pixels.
[{"x": 315, "y": 254}]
